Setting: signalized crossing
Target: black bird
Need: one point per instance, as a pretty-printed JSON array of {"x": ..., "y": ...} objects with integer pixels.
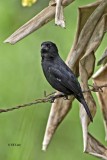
[{"x": 59, "y": 75}]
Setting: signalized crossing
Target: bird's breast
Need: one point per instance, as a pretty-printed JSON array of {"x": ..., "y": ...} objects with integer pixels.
[{"x": 46, "y": 68}]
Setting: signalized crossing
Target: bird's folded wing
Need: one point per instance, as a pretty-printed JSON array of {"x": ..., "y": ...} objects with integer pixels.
[{"x": 67, "y": 79}]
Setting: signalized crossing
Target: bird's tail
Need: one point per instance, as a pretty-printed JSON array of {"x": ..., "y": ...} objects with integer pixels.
[{"x": 87, "y": 109}]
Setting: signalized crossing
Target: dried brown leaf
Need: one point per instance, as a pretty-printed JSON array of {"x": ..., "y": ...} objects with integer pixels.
[
  {"x": 87, "y": 64},
  {"x": 59, "y": 15},
  {"x": 98, "y": 150},
  {"x": 100, "y": 78}
]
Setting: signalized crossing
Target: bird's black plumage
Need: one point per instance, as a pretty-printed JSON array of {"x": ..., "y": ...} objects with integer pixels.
[{"x": 59, "y": 75}]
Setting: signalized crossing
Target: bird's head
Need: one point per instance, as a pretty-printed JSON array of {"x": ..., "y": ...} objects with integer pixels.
[{"x": 49, "y": 50}]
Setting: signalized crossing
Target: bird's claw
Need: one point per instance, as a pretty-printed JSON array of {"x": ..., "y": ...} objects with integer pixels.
[
  {"x": 66, "y": 97},
  {"x": 52, "y": 99}
]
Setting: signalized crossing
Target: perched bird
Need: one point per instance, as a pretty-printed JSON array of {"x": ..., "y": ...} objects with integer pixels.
[{"x": 59, "y": 75}]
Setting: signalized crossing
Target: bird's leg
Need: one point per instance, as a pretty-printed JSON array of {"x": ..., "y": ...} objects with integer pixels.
[
  {"x": 52, "y": 98},
  {"x": 58, "y": 96},
  {"x": 65, "y": 96}
]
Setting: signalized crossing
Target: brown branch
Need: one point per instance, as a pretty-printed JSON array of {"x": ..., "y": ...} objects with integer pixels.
[
  {"x": 36, "y": 22},
  {"x": 51, "y": 97}
]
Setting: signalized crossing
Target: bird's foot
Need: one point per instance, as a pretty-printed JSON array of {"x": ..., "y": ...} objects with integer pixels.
[
  {"x": 66, "y": 97},
  {"x": 52, "y": 99}
]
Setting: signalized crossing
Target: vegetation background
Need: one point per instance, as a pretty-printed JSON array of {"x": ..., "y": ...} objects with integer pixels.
[{"x": 22, "y": 80}]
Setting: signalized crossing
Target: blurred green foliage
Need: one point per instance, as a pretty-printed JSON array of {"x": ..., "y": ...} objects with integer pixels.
[{"x": 22, "y": 80}]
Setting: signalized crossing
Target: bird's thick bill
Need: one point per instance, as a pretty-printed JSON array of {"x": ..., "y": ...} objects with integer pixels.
[{"x": 44, "y": 48}]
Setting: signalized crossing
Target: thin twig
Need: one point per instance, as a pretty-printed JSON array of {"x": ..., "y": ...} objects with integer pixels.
[{"x": 50, "y": 98}]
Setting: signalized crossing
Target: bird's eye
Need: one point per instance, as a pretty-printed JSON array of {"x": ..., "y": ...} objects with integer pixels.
[{"x": 48, "y": 45}]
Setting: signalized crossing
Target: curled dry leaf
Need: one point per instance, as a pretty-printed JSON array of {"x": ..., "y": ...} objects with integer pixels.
[
  {"x": 58, "y": 111},
  {"x": 86, "y": 68},
  {"x": 98, "y": 150},
  {"x": 59, "y": 17},
  {"x": 100, "y": 78}
]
